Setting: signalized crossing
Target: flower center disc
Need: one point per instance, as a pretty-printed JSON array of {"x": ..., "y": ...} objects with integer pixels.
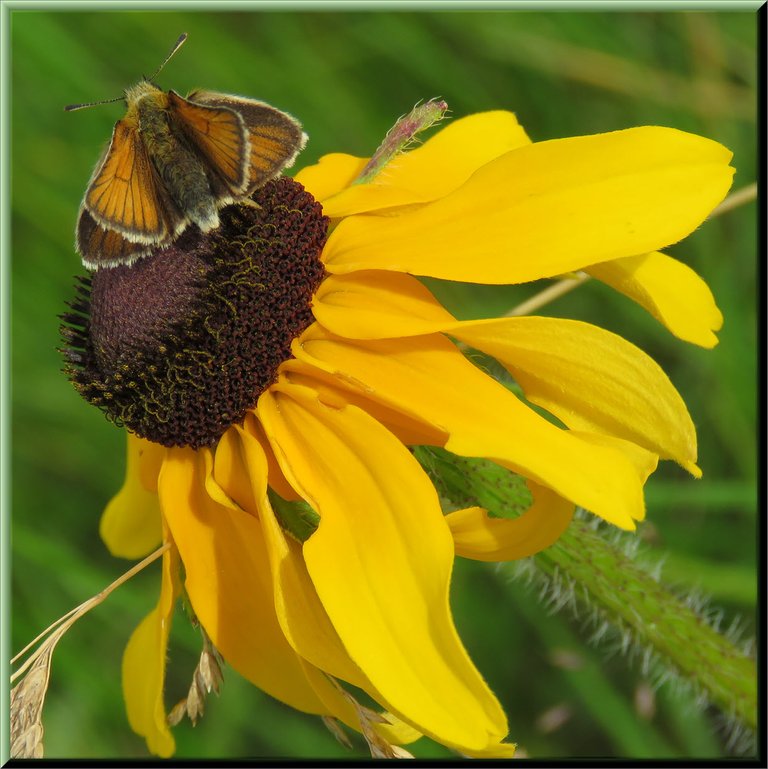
[{"x": 180, "y": 344}]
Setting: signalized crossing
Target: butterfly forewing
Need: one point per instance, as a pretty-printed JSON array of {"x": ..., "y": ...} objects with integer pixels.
[
  {"x": 275, "y": 137},
  {"x": 123, "y": 194},
  {"x": 218, "y": 134}
]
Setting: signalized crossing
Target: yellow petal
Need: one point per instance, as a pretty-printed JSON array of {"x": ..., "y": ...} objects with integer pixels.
[
  {"x": 299, "y": 610},
  {"x": 277, "y": 480},
  {"x": 300, "y": 613},
  {"x": 670, "y": 290},
  {"x": 335, "y": 393},
  {"x": 228, "y": 580},
  {"x": 548, "y": 208},
  {"x": 587, "y": 377},
  {"x": 426, "y": 377},
  {"x": 590, "y": 379},
  {"x": 477, "y": 535},
  {"x": 501, "y": 750},
  {"x": 144, "y": 665},
  {"x": 230, "y": 473},
  {"x": 380, "y": 562},
  {"x": 150, "y": 458},
  {"x": 376, "y": 304},
  {"x": 439, "y": 166},
  {"x": 393, "y": 730},
  {"x": 331, "y": 174},
  {"x": 644, "y": 461},
  {"x": 446, "y": 160},
  {"x": 130, "y": 524}
]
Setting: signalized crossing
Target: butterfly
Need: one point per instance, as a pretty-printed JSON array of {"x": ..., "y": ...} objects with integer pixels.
[{"x": 175, "y": 161}]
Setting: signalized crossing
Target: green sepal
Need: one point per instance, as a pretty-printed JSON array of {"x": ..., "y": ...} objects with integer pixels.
[{"x": 297, "y": 519}]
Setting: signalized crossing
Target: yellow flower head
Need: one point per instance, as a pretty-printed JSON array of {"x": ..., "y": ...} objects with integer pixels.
[{"x": 265, "y": 365}]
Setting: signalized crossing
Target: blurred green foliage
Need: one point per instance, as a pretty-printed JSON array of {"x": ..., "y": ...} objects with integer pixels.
[{"x": 347, "y": 76}]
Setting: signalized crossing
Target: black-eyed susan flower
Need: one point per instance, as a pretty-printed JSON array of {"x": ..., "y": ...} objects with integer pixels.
[{"x": 288, "y": 360}]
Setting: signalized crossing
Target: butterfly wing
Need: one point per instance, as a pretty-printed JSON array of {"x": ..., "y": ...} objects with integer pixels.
[
  {"x": 124, "y": 193},
  {"x": 218, "y": 134},
  {"x": 100, "y": 247},
  {"x": 275, "y": 137}
]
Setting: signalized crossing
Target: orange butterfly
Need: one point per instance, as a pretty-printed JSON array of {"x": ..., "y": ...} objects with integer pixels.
[{"x": 173, "y": 162}]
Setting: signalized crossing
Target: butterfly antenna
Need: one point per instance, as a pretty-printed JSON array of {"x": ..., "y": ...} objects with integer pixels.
[
  {"x": 73, "y": 107},
  {"x": 175, "y": 48}
]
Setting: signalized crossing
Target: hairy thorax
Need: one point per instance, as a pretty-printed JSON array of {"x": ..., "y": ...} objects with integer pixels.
[{"x": 180, "y": 169}]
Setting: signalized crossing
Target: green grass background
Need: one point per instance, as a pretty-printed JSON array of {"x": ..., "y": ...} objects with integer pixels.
[{"x": 347, "y": 76}]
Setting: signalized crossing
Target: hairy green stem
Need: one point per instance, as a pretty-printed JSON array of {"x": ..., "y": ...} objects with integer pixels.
[
  {"x": 631, "y": 598},
  {"x": 596, "y": 573}
]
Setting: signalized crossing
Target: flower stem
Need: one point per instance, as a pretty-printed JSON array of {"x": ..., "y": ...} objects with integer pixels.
[
  {"x": 28, "y": 696},
  {"x": 588, "y": 571},
  {"x": 735, "y": 199},
  {"x": 74, "y": 614},
  {"x": 632, "y": 599},
  {"x": 549, "y": 294}
]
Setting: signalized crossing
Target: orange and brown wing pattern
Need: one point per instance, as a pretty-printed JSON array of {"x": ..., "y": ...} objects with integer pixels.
[
  {"x": 275, "y": 137},
  {"x": 218, "y": 134},
  {"x": 123, "y": 194},
  {"x": 101, "y": 247}
]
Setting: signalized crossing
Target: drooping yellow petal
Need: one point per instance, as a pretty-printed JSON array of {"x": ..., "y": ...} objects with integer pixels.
[
  {"x": 587, "y": 377},
  {"x": 590, "y": 379},
  {"x": 380, "y": 562},
  {"x": 230, "y": 473},
  {"x": 301, "y": 615},
  {"x": 144, "y": 665},
  {"x": 130, "y": 524},
  {"x": 670, "y": 290},
  {"x": 277, "y": 480},
  {"x": 427, "y": 377},
  {"x": 150, "y": 457},
  {"x": 300, "y": 612},
  {"x": 228, "y": 580},
  {"x": 477, "y": 535},
  {"x": 439, "y": 166},
  {"x": 548, "y": 208},
  {"x": 501, "y": 750},
  {"x": 643, "y": 460}
]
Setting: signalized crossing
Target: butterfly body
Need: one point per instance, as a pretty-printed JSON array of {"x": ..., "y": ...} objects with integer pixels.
[
  {"x": 181, "y": 170},
  {"x": 175, "y": 162}
]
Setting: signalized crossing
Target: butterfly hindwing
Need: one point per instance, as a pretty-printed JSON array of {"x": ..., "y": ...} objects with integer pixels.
[
  {"x": 101, "y": 247},
  {"x": 275, "y": 137}
]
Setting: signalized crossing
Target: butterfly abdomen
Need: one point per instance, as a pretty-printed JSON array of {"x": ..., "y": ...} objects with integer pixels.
[{"x": 180, "y": 169}]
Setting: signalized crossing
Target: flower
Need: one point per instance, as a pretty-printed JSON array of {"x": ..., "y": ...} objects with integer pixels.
[{"x": 358, "y": 365}]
